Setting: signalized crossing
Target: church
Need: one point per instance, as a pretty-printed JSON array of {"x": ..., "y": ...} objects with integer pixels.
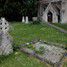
[{"x": 52, "y": 11}]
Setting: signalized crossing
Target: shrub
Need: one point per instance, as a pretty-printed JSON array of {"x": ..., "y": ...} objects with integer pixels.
[{"x": 36, "y": 22}]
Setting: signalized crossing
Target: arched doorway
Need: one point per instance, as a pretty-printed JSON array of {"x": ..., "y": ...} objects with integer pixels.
[{"x": 49, "y": 17}]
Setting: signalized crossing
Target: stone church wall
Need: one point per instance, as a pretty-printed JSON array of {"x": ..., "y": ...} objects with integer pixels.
[{"x": 64, "y": 12}]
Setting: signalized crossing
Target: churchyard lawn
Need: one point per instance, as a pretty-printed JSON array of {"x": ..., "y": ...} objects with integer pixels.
[{"x": 23, "y": 33}]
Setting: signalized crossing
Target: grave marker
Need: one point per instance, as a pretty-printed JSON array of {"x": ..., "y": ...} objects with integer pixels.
[
  {"x": 27, "y": 21},
  {"x": 5, "y": 38},
  {"x": 23, "y": 20}
]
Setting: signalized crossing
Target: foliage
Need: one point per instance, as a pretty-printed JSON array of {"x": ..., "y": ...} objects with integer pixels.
[
  {"x": 15, "y": 9},
  {"x": 36, "y": 22},
  {"x": 15, "y": 47}
]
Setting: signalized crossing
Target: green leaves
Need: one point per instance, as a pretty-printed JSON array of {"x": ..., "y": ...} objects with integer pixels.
[{"x": 15, "y": 9}]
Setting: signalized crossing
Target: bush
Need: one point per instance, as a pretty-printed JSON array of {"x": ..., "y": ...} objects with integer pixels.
[{"x": 36, "y": 22}]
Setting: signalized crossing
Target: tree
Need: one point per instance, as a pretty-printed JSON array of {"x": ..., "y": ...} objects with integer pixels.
[{"x": 15, "y": 9}]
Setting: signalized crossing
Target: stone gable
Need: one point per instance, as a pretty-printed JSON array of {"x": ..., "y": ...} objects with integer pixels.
[{"x": 58, "y": 6}]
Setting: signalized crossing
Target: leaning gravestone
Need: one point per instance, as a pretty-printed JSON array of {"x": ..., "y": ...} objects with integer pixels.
[{"x": 5, "y": 38}]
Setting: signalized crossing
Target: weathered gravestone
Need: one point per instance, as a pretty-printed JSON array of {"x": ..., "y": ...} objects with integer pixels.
[
  {"x": 5, "y": 38},
  {"x": 52, "y": 53}
]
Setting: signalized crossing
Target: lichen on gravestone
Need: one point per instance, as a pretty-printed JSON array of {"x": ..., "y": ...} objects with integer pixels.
[
  {"x": 6, "y": 44},
  {"x": 52, "y": 53}
]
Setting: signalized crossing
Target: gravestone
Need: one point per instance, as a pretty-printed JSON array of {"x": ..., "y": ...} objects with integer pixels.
[
  {"x": 5, "y": 38},
  {"x": 52, "y": 53},
  {"x": 34, "y": 18},
  {"x": 27, "y": 21},
  {"x": 23, "y": 20}
]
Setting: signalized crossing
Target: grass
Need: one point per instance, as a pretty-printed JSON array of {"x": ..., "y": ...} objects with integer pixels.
[
  {"x": 23, "y": 33},
  {"x": 18, "y": 59},
  {"x": 65, "y": 62},
  {"x": 64, "y": 26}
]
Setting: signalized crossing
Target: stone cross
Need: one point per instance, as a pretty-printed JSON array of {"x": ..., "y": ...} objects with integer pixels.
[
  {"x": 6, "y": 39},
  {"x": 4, "y": 26}
]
